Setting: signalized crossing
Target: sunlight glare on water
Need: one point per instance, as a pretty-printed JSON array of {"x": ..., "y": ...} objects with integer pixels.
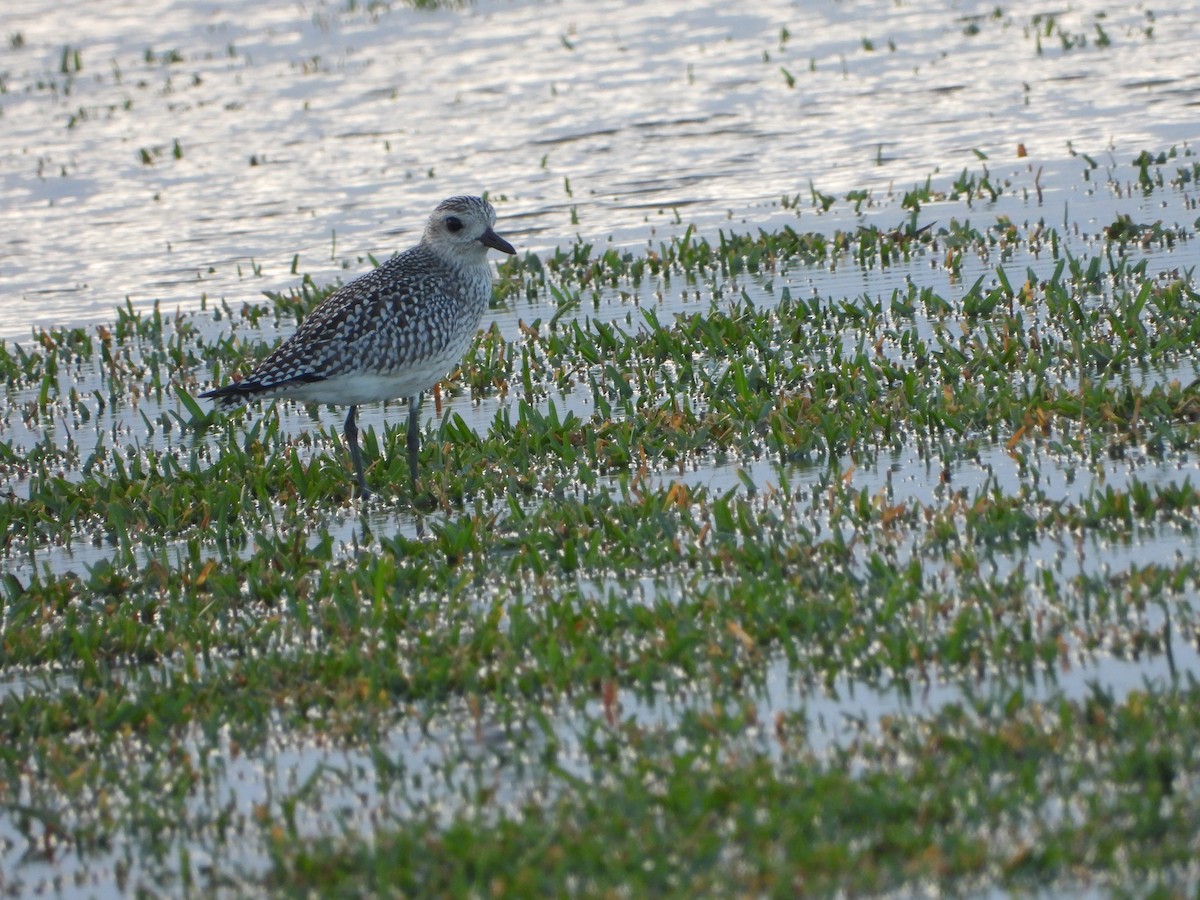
[
  {"x": 191, "y": 149},
  {"x": 182, "y": 153}
]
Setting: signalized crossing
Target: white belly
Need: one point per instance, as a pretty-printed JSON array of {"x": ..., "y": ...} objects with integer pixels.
[{"x": 365, "y": 387}]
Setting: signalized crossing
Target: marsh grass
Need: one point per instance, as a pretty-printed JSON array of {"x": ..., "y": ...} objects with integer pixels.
[{"x": 671, "y": 518}]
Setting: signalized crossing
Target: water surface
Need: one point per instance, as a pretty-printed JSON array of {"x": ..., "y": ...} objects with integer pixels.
[{"x": 185, "y": 153}]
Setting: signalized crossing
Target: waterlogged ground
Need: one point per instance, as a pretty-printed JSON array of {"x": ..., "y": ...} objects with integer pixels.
[
  {"x": 168, "y": 151},
  {"x": 818, "y": 515}
]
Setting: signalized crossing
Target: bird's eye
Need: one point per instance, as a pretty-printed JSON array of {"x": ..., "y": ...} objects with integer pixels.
[{"x": 454, "y": 224}]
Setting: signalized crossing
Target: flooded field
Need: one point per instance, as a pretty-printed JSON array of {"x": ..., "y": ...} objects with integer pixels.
[
  {"x": 167, "y": 153},
  {"x": 817, "y": 512}
]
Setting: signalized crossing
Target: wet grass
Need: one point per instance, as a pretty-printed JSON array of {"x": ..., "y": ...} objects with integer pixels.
[
  {"x": 1002, "y": 791},
  {"x": 679, "y": 508}
]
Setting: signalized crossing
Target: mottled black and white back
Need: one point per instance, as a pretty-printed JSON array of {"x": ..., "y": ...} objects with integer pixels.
[{"x": 394, "y": 332}]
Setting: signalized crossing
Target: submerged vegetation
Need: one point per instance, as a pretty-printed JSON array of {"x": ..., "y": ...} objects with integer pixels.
[{"x": 692, "y": 542}]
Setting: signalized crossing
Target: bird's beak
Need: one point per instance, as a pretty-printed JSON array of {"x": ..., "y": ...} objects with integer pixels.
[{"x": 490, "y": 239}]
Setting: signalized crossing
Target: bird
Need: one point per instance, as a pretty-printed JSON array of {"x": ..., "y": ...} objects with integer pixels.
[{"x": 391, "y": 333}]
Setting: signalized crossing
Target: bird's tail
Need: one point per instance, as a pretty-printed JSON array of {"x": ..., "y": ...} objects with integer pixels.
[
  {"x": 238, "y": 392},
  {"x": 233, "y": 394}
]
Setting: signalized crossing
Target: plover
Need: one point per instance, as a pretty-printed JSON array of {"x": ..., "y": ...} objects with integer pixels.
[{"x": 394, "y": 332}]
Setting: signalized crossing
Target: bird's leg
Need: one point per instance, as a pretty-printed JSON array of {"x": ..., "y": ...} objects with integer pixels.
[
  {"x": 414, "y": 435},
  {"x": 351, "y": 431}
]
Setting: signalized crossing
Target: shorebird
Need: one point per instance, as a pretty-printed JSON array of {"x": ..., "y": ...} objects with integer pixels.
[{"x": 394, "y": 332}]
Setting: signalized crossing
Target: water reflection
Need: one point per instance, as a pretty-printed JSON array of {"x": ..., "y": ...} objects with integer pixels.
[
  {"x": 217, "y": 151},
  {"x": 202, "y": 151}
]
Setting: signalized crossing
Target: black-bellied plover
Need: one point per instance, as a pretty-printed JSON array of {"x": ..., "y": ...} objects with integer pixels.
[{"x": 391, "y": 333}]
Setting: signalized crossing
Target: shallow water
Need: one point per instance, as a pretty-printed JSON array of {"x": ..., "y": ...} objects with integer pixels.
[
  {"x": 326, "y": 134},
  {"x": 311, "y": 136}
]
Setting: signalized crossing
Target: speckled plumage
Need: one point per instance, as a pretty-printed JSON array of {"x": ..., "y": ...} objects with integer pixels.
[{"x": 391, "y": 333}]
